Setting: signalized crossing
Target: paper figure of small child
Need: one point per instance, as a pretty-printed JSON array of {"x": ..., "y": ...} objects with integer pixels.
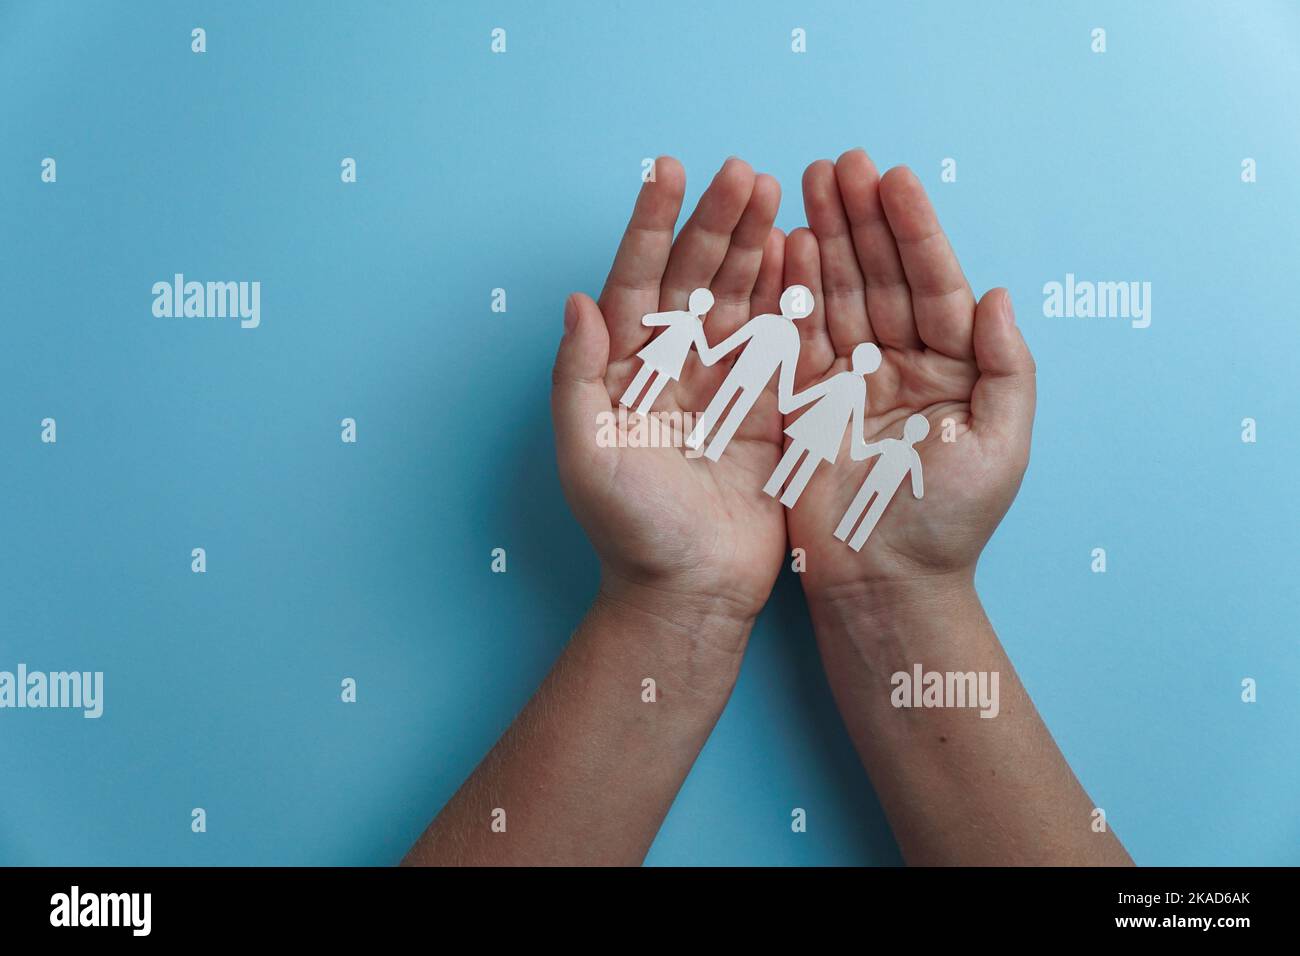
[{"x": 897, "y": 459}]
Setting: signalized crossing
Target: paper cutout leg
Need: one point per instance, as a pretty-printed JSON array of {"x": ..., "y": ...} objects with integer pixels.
[
  {"x": 868, "y": 523},
  {"x": 783, "y": 469},
  {"x": 801, "y": 477},
  {"x": 711, "y": 414},
  {"x": 865, "y": 494},
  {"x": 652, "y": 393},
  {"x": 727, "y": 430},
  {"x": 638, "y": 383},
  {"x": 800, "y": 480}
]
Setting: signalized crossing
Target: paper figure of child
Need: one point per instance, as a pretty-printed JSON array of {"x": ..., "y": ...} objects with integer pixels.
[
  {"x": 773, "y": 348},
  {"x": 897, "y": 459},
  {"x": 665, "y": 354},
  {"x": 841, "y": 403}
]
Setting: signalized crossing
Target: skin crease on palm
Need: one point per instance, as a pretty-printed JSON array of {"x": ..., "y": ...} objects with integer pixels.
[{"x": 881, "y": 270}]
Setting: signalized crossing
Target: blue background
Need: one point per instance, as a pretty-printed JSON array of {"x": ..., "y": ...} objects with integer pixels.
[{"x": 476, "y": 170}]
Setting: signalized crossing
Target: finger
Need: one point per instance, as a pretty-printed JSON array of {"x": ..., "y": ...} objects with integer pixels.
[
  {"x": 942, "y": 302},
  {"x": 763, "y": 423},
  {"x": 846, "y": 303},
  {"x": 632, "y": 288},
  {"x": 578, "y": 390},
  {"x": 889, "y": 300},
  {"x": 702, "y": 244},
  {"x": 766, "y": 297},
  {"x": 698, "y": 382},
  {"x": 733, "y": 285},
  {"x": 732, "y": 288},
  {"x": 1003, "y": 399},
  {"x": 803, "y": 267}
]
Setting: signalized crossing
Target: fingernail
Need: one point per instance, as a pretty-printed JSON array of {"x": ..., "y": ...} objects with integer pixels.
[
  {"x": 1007, "y": 310},
  {"x": 570, "y": 313}
]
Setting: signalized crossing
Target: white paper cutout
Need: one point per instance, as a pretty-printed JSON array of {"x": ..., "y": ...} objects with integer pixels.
[
  {"x": 897, "y": 459},
  {"x": 841, "y": 402},
  {"x": 771, "y": 347},
  {"x": 664, "y": 355}
]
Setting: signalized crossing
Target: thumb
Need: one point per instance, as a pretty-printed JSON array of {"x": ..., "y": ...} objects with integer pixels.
[
  {"x": 1004, "y": 397},
  {"x": 578, "y": 392}
]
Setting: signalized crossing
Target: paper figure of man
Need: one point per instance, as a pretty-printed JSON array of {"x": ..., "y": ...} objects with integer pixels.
[{"x": 771, "y": 348}]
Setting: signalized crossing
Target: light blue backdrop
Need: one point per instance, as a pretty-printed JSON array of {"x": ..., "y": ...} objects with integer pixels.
[{"x": 478, "y": 171}]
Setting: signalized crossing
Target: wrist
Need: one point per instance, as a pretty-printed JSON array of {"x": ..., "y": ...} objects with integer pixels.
[
  {"x": 883, "y": 600},
  {"x": 701, "y": 635},
  {"x": 683, "y": 608},
  {"x": 925, "y": 616}
]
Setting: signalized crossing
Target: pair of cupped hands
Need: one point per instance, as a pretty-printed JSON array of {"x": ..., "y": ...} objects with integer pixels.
[{"x": 674, "y": 531}]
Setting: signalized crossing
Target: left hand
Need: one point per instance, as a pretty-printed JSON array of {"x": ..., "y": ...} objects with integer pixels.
[{"x": 881, "y": 270}]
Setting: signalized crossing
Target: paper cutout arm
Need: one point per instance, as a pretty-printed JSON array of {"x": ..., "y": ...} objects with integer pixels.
[
  {"x": 918, "y": 487},
  {"x": 658, "y": 318},
  {"x": 859, "y": 450},
  {"x": 710, "y": 354},
  {"x": 793, "y": 402},
  {"x": 785, "y": 389},
  {"x": 701, "y": 343},
  {"x": 865, "y": 451}
]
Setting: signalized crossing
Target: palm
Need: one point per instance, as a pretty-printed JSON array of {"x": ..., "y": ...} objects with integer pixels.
[
  {"x": 885, "y": 274},
  {"x": 682, "y": 515},
  {"x": 912, "y": 536}
]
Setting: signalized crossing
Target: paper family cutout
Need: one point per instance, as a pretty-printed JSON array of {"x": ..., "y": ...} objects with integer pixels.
[{"x": 771, "y": 347}]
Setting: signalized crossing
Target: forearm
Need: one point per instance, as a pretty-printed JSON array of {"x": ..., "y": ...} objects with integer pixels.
[
  {"x": 588, "y": 770},
  {"x": 958, "y": 788}
]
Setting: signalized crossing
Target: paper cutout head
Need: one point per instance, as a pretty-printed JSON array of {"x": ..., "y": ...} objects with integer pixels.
[
  {"x": 916, "y": 428},
  {"x": 700, "y": 302},
  {"x": 866, "y": 358}
]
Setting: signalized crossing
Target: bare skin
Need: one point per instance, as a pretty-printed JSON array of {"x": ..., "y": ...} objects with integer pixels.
[
  {"x": 690, "y": 549},
  {"x": 689, "y": 552},
  {"x": 958, "y": 788}
]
